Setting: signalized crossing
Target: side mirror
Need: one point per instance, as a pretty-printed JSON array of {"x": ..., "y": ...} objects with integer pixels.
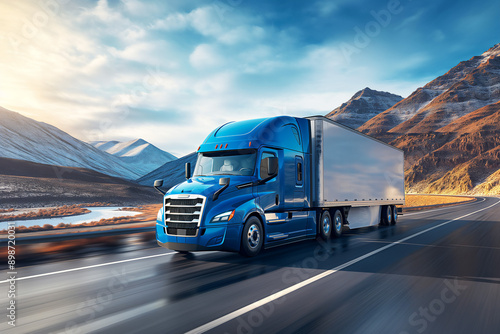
[
  {"x": 157, "y": 185},
  {"x": 224, "y": 182},
  {"x": 188, "y": 170}
]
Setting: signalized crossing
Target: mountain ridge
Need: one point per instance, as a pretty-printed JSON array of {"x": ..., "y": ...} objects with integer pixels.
[
  {"x": 139, "y": 154},
  {"x": 26, "y": 139},
  {"x": 362, "y": 106}
]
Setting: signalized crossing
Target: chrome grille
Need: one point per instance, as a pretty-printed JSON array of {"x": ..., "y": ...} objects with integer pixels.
[{"x": 182, "y": 215}]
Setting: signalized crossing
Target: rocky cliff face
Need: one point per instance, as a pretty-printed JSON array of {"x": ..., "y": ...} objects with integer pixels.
[{"x": 470, "y": 85}]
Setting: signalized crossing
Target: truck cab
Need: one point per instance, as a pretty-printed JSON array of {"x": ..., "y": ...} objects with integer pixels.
[{"x": 247, "y": 191}]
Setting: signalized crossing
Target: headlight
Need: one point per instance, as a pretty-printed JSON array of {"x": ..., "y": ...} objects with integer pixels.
[
  {"x": 159, "y": 216},
  {"x": 223, "y": 217}
]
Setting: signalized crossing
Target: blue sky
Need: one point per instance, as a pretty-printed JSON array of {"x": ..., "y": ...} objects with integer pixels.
[{"x": 170, "y": 71}]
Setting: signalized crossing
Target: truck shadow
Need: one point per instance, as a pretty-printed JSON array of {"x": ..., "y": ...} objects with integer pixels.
[{"x": 191, "y": 274}]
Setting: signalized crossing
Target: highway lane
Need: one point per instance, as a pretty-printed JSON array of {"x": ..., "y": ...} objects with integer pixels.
[{"x": 442, "y": 280}]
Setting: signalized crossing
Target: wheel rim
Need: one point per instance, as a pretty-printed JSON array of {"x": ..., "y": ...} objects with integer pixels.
[
  {"x": 326, "y": 224},
  {"x": 389, "y": 215},
  {"x": 395, "y": 215},
  {"x": 253, "y": 236},
  {"x": 338, "y": 222}
]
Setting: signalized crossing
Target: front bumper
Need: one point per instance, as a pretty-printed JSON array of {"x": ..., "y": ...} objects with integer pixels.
[
  {"x": 221, "y": 237},
  {"x": 186, "y": 247}
]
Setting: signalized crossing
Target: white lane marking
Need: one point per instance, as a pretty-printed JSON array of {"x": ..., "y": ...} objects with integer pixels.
[
  {"x": 88, "y": 267},
  {"x": 121, "y": 316},
  {"x": 429, "y": 211},
  {"x": 228, "y": 317}
]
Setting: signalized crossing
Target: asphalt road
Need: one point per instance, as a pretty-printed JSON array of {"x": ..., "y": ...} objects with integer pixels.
[{"x": 436, "y": 271}]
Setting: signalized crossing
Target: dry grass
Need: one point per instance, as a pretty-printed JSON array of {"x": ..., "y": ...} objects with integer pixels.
[
  {"x": 6, "y": 210},
  {"x": 65, "y": 210},
  {"x": 424, "y": 200}
]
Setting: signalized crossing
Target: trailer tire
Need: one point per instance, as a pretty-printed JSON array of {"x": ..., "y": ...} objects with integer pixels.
[
  {"x": 252, "y": 237},
  {"x": 325, "y": 225},
  {"x": 386, "y": 215},
  {"x": 394, "y": 219},
  {"x": 338, "y": 223}
]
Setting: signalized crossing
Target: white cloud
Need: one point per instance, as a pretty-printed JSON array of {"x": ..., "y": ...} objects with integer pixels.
[
  {"x": 206, "y": 56},
  {"x": 172, "y": 22},
  {"x": 103, "y": 12},
  {"x": 96, "y": 64},
  {"x": 411, "y": 19},
  {"x": 153, "y": 53},
  {"x": 326, "y": 8},
  {"x": 209, "y": 22}
]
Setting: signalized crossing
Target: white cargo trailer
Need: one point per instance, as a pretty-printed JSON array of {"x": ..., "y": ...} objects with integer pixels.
[{"x": 355, "y": 171}]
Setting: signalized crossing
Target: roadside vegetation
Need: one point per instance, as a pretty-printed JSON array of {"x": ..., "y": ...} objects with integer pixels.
[
  {"x": 7, "y": 210},
  {"x": 424, "y": 200},
  {"x": 147, "y": 213},
  {"x": 65, "y": 210}
]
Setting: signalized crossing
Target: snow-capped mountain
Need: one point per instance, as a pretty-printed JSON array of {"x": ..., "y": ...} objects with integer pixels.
[
  {"x": 449, "y": 130},
  {"x": 363, "y": 106},
  {"x": 138, "y": 154},
  {"x": 470, "y": 85},
  {"x": 172, "y": 172},
  {"x": 26, "y": 139}
]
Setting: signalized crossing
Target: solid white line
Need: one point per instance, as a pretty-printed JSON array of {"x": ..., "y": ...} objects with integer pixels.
[
  {"x": 279, "y": 294},
  {"x": 88, "y": 267}
]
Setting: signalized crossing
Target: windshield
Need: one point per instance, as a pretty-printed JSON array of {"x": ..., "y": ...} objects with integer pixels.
[{"x": 241, "y": 162}]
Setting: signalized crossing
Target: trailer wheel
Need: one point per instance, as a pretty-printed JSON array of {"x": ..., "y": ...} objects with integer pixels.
[
  {"x": 252, "y": 237},
  {"x": 386, "y": 215},
  {"x": 338, "y": 222},
  {"x": 394, "y": 219},
  {"x": 325, "y": 225}
]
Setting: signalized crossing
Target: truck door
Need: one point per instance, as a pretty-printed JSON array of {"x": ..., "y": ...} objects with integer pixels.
[
  {"x": 269, "y": 193},
  {"x": 280, "y": 223}
]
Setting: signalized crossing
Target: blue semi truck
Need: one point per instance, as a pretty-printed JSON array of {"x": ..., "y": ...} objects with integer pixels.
[{"x": 265, "y": 182}]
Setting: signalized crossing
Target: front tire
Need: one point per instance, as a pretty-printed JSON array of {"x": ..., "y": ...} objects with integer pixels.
[{"x": 252, "y": 237}]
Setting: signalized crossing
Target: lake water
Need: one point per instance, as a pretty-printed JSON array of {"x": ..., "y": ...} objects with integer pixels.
[{"x": 96, "y": 214}]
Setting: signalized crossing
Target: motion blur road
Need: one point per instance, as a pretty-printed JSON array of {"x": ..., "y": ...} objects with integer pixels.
[{"x": 436, "y": 271}]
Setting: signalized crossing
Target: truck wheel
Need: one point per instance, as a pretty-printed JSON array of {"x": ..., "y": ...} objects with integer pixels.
[
  {"x": 386, "y": 215},
  {"x": 252, "y": 237},
  {"x": 394, "y": 219},
  {"x": 325, "y": 225},
  {"x": 338, "y": 222}
]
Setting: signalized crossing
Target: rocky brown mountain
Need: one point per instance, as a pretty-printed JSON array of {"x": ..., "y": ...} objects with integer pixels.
[
  {"x": 449, "y": 129},
  {"x": 363, "y": 106}
]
